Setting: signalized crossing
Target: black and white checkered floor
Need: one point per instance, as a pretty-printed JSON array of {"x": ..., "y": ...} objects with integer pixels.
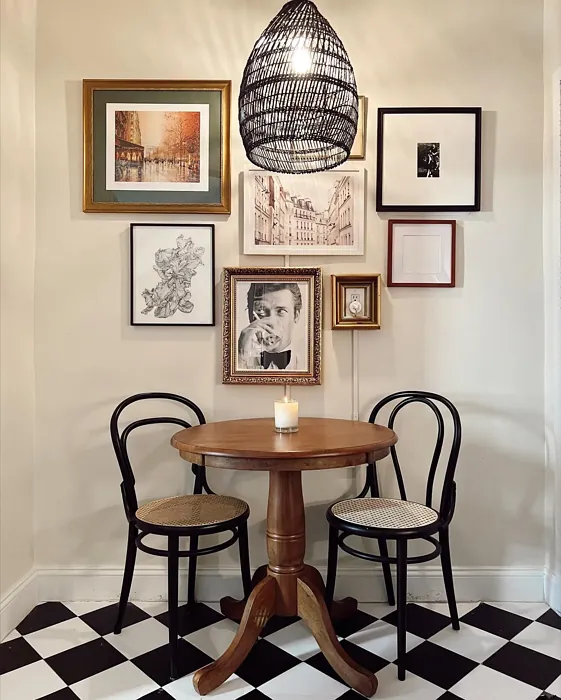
[{"x": 509, "y": 651}]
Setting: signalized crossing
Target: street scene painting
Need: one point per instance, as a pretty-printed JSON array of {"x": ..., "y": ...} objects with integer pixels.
[
  {"x": 157, "y": 147},
  {"x": 317, "y": 214}
]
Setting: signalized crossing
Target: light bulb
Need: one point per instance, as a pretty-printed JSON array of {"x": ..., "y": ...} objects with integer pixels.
[{"x": 301, "y": 60}]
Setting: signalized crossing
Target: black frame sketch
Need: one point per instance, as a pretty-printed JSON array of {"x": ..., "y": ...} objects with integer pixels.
[
  {"x": 426, "y": 166},
  {"x": 174, "y": 265}
]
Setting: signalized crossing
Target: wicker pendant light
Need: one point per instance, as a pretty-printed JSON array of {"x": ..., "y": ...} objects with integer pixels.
[{"x": 298, "y": 103}]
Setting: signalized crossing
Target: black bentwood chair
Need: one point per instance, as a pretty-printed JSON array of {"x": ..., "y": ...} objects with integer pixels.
[
  {"x": 175, "y": 517},
  {"x": 401, "y": 520}
]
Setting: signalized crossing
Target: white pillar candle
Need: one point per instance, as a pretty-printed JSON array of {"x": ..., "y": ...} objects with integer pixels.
[{"x": 286, "y": 415}]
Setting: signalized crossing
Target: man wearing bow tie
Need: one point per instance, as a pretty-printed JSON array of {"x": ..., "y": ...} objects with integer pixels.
[{"x": 266, "y": 343}]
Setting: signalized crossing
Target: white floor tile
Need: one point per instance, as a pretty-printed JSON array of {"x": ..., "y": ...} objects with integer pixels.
[
  {"x": 295, "y": 639},
  {"x": 381, "y": 639},
  {"x": 137, "y": 639},
  {"x": 302, "y": 683},
  {"x": 378, "y": 610},
  {"x": 123, "y": 682},
  {"x": 529, "y": 610},
  {"x": 13, "y": 635},
  {"x": 82, "y": 607},
  {"x": 469, "y": 641},
  {"x": 485, "y": 684},
  {"x": 30, "y": 682},
  {"x": 555, "y": 687},
  {"x": 61, "y": 637},
  {"x": 152, "y": 607},
  {"x": 443, "y": 609},
  {"x": 542, "y": 638},
  {"x": 182, "y": 689},
  {"x": 412, "y": 688},
  {"x": 214, "y": 639}
]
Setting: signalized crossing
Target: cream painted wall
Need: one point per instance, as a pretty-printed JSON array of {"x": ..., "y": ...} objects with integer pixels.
[
  {"x": 481, "y": 343},
  {"x": 552, "y": 269},
  {"x": 17, "y": 262}
]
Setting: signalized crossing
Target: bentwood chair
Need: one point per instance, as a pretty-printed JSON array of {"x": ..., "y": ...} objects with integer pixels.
[
  {"x": 175, "y": 517},
  {"x": 401, "y": 520}
]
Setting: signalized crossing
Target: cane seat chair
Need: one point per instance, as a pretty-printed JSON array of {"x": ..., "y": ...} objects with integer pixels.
[
  {"x": 371, "y": 516},
  {"x": 202, "y": 513}
]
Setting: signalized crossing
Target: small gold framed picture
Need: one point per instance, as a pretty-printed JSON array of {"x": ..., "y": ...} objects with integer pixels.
[
  {"x": 358, "y": 151},
  {"x": 356, "y": 301}
]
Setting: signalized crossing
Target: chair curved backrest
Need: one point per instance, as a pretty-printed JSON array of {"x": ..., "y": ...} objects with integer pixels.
[
  {"x": 119, "y": 439},
  {"x": 435, "y": 402}
]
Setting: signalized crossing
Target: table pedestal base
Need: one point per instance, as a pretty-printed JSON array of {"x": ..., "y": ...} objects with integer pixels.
[{"x": 262, "y": 604}]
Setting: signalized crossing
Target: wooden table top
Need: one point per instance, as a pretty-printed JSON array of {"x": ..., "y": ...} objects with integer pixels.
[{"x": 254, "y": 444}]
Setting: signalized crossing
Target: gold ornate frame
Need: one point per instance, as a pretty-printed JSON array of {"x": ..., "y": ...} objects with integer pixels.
[
  {"x": 231, "y": 375},
  {"x": 372, "y": 289},
  {"x": 361, "y": 130},
  {"x": 222, "y": 207}
]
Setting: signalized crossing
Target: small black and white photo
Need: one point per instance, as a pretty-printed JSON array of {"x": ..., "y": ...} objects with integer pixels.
[
  {"x": 172, "y": 274},
  {"x": 271, "y": 324},
  {"x": 428, "y": 160}
]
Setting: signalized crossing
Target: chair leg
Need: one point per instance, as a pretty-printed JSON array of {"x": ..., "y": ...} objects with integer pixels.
[
  {"x": 127, "y": 577},
  {"x": 383, "y": 545},
  {"x": 401, "y": 607},
  {"x": 173, "y": 585},
  {"x": 332, "y": 553},
  {"x": 446, "y": 562},
  {"x": 244, "y": 559},
  {"x": 192, "y": 575}
]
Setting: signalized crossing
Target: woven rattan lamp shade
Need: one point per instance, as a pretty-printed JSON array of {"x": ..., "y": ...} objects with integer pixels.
[{"x": 298, "y": 103}]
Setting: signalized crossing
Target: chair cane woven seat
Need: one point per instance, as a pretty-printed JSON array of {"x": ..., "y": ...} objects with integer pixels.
[
  {"x": 191, "y": 511},
  {"x": 384, "y": 513}
]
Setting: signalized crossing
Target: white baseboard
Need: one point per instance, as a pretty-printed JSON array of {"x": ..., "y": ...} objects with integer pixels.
[
  {"x": 553, "y": 591},
  {"x": 424, "y": 584},
  {"x": 18, "y": 603}
]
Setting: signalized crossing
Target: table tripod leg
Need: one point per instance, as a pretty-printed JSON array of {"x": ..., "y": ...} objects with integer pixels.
[
  {"x": 233, "y": 609},
  {"x": 259, "y": 609},
  {"x": 312, "y": 609}
]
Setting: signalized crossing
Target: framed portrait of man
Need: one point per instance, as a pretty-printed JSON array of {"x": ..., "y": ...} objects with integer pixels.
[{"x": 272, "y": 325}]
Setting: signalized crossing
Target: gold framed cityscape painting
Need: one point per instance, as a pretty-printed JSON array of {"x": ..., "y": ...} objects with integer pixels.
[
  {"x": 356, "y": 302},
  {"x": 157, "y": 146},
  {"x": 271, "y": 325}
]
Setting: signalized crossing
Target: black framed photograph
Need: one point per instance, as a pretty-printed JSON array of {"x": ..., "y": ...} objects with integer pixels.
[
  {"x": 272, "y": 325},
  {"x": 172, "y": 274},
  {"x": 429, "y": 159}
]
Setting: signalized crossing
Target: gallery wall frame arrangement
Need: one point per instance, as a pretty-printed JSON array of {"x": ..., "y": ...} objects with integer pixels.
[
  {"x": 172, "y": 275},
  {"x": 320, "y": 214},
  {"x": 157, "y": 146},
  {"x": 356, "y": 302},
  {"x": 429, "y": 159},
  {"x": 271, "y": 325},
  {"x": 421, "y": 253},
  {"x": 358, "y": 151}
]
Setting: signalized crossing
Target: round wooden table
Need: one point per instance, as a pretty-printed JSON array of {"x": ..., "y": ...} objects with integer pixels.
[{"x": 286, "y": 586}]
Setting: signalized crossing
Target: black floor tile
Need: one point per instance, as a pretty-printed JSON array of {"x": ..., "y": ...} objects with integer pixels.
[
  {"x": 157, "y": 695},
  {"x": 351, "y": 695},
  {"x": 254, "y": 695},
  {"x": 437, "y": 665},
  {"x": 156, "y": 663},
  {"x": 192, "y": 618},
  {"x": 526, "y": 665},
  {"x": 552, "y": 619},
  {"x": 277, "y": 623},
  {"x": 358, "y": 621},
  {"x": 16, "y": 654},
  {"x": 421, "y": 621},
  {"x": 449, "y": 696},
  {"x": 85, "y": 660},
  {"x": 44, "y": 615},
  {"x": 64, "y": 694},
  {"x": 103, "y": 620},
  {"x": 496, "y": 621},
  {"x": 265, "y": 661},
  {"x": 365, "y": 658}
]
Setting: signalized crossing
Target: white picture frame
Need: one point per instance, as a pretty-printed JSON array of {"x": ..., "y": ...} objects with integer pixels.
[
  {"x": 421, "y": 253},
  {"x": 317, "y": 214}
]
